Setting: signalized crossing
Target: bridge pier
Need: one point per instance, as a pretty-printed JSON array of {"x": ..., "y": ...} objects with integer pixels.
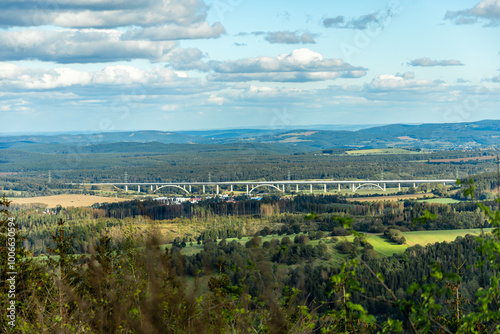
[
  {"x": 156, "y": 187},
  {"x": 324, "y": 188},
  {"x": 126, "y": 188},
  {"x": 399, "y": 186},
  {"x": 189, "y": 188},
  {"x": 384, "y": 187},
  {"x": 414, "y": 185},
  {"x": 217, "y": 189},
  {"x": 283, "y": 188},
  {"x": 353, "y": 188},
  {"x": 138, "y": 189},
  {"x": 203, "y": 188},
  {"x": 339, "y": 187},
  {"x": 247, "y": 189},
  {"x": 311, "y": 188},
  {"x": 151, "y": 187},
  {"x": 231, "y": 188},
  {"x": 297, "y": 187}
]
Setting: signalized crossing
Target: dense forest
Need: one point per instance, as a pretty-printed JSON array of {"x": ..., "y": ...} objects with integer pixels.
[
  {"x": 219, "y": 219},
  {"x": 26, "y": 173}
]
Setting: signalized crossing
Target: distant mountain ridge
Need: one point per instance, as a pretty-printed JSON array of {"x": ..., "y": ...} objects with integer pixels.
[{"x": 432, "y": 136}]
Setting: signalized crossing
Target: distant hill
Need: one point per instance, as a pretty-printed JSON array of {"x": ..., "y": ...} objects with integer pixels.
[
  {"x": 105, "y": 137},
  {"x": 430, "y": 136},
  {"x": 427, "y": 136}
]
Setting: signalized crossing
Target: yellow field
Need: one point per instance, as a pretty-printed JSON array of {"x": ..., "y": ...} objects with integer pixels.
[{"x": 68, "y": 200}]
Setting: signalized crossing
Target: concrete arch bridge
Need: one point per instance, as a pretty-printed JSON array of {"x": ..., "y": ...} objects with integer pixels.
[{"x": 282, "y": 186}]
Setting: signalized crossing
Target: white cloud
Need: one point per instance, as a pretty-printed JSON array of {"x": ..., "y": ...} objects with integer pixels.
[
  {"x": 78, "y": 46},
  {"x": 14, "y": 77},
  {"x": 300, "y": 65},
  {"x": 405, "y": 81},
  {"x": 148, "y": 29},
  {"x": 487, "y": 11},
  {"x": 101, "y": 13},
  {"x": 426, "y": 62},
  {"x": 495, "y": 79},
  {"x": 214, "y": 99},
  {"x": 187, "y": 59},
  {"x": 169, "y": 107},
  {"x": 176, "y": 32},
  {"x": 289, "y": 37}
]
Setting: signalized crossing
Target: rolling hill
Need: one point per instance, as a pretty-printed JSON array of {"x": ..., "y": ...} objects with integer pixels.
[{"x": 424, "y": 136}]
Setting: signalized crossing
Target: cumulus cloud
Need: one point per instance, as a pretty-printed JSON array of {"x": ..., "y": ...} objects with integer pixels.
[
  {"x": 289, "y": 37},
  {"x": 15, "y": 77},
  {"x": 404, "y": 81},
  {"x": 101, "y": 30},
  {"x": 91, "y": 46},
  {"x": 214, "y": 99},
  {"x": 426, "y": 62},
  {"x": 494, "y": 79},
  {"x": 487, "y": 11},
  {"x": 300, "y": 65},
  {"x": 175, "y": 32},
  {"x": 101, "y": 13},
  {"x": 186, "y": 59}
]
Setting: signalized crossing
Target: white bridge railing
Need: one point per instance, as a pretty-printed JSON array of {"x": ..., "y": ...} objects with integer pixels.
[{"x": 250, "y": 186}]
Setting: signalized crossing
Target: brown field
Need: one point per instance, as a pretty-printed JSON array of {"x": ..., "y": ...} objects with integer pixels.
[
  {"x": 406, "y": 138},
  {"x": 494, "y": 191},
  {"x": 7, "y": 173},
  {"x": 68, "y": 200},
  {"x": 491, "y": 157},
  {"x": 307, "y": 133},
  {"x": 394, "y": 198}
]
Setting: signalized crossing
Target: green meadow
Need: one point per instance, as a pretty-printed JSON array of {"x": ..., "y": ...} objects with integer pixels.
[{"x": 380, "y": 244}]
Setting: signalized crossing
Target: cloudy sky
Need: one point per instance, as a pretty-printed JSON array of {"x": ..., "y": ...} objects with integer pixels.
[{"x": 107, "y": 65}]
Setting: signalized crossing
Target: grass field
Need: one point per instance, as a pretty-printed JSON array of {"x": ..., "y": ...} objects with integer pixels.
[
  {"x": 440, "y": 200},
  {"x": 394, "y": 198},
  {"x": 429, "y": 237},
  {"x": 380, "y": 244},
  {"x": 383, "y": 246},
  {"x": 67, "y": 200}
]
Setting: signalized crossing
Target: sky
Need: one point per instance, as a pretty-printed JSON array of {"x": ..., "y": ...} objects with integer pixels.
[{"x": 172, "y": 65}]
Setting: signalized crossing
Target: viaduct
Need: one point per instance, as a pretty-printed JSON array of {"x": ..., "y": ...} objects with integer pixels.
[{"x": 250, "y": 186}]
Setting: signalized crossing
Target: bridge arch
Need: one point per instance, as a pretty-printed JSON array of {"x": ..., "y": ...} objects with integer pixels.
[
  {"x": 172, "y": 185},
  {"x": 368, "y": 184},
  {"x": 265, "y": 185}
]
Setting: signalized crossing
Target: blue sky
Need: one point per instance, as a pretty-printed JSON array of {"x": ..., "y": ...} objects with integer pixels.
[{"x": 102, "y": 65}]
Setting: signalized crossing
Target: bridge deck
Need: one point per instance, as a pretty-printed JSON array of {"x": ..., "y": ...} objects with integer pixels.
[{"x": 263, "y": 182}]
